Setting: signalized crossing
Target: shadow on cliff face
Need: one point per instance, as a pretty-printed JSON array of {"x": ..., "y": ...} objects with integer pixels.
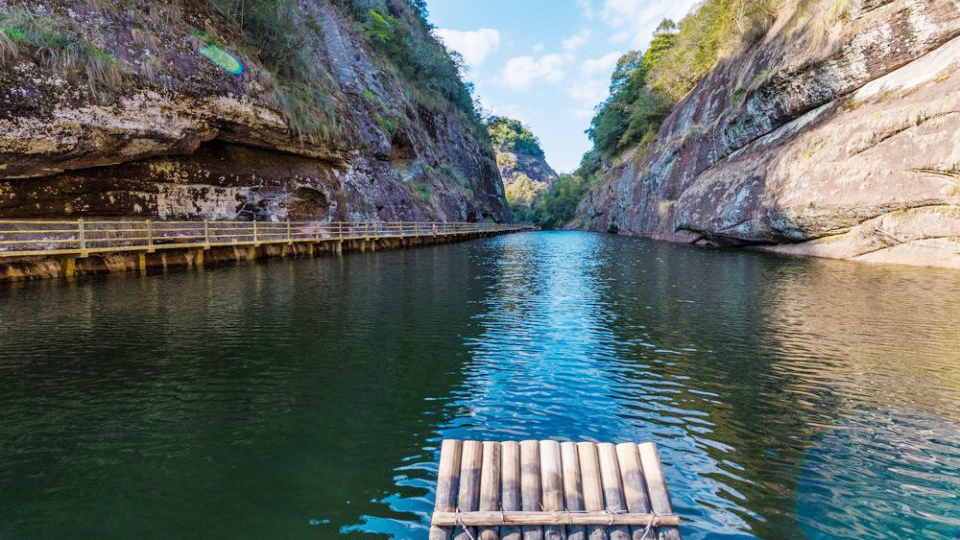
[{"x": 218, "y": 181}]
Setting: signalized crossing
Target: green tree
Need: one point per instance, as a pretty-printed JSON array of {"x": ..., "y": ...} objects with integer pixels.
[
  {"x": 646, "y": 86},
  {"x": 632, "y": 112},
  {"x": 510, "y": 135},
  {"x": 558, "y": 205}
]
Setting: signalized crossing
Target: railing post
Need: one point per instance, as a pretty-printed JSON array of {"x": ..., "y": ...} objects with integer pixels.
[
  {"x": 206, "y": 234},
  {"x": 289, "y": 237},
  {"x": 255, "y": 238},
  {"x": 149, "y": 236},
  {"x": 81, "y": 235},
  {"x": 340, "y": 229}
]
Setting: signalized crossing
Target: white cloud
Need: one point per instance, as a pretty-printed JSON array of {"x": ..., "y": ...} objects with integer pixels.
[
  {"x": 635, "y": 20},
  {"x": 576, "y": 41},
  {"x": 538, "y": 48},
  {"x": 583, "y": 113},
  {"x": 517, "y": 112},
  {"x": 522, "y": 71},
  {"x": 589, "y": 92},
  {"x": 593, "y": 85},
  {"x": 601, "y": 66},
  {"x": 474, "y": 45},
  {"x": 587, "y": 8}
]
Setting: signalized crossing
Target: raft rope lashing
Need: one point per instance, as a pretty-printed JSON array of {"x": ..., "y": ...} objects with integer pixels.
[
  {"x": 652, "y": 524},
  {"x": 465, "y": 529},
  {"x": 650, "y": 528}
]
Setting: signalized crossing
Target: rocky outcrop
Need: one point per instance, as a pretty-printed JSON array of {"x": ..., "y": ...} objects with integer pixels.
[
  {"x": 156, "y": 129},
  {"x": 521, "y": 161},
  {"x": 833, "y": 137},
  {"x": 525, "y": 176},
  {"x": 514, "y": 166}
]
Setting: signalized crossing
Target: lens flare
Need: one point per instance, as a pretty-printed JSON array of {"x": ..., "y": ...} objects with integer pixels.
[{"x": 222, "y": 59}]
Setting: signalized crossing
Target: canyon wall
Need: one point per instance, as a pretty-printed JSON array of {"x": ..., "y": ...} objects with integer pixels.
[
  {"x": 171, "y": 110},
  {"x": 833, "y": 135}
]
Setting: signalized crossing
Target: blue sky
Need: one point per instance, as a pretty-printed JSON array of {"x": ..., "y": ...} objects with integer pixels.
[{"x": 548, "y": 63}]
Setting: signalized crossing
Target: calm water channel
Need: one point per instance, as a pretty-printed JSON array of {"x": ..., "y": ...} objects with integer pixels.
[{"x": 306, "y": 399}]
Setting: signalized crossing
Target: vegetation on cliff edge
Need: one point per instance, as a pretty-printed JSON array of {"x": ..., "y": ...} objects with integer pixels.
[
  {"x": 281, "y": 35},
  {"x": 279, "y": 31},
  {"x": 509, "y": 135},
  {"x": 57, "y": 46},
  {"x": 647, "y": 85},
  {"x": 525, "y": 195}
]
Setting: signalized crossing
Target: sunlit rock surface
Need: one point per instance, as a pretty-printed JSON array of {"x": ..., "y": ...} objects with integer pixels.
[{"x": 833, "y": 138}]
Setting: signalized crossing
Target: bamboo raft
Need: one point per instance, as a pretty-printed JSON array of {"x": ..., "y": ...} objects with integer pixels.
[{"x": 550, "y": 490}]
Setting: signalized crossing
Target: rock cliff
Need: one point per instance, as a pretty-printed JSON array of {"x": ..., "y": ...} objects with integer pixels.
[
  {"x": 192, "y": 109},
  {"x": 515, "y": 165},
  {"x": 520, "y": 159},
  {"x": 831, "y": 135},
  {"x": 525, "y": 176}
]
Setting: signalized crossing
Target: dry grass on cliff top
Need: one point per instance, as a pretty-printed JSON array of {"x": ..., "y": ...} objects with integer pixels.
[{"x": 55, "y": 43}]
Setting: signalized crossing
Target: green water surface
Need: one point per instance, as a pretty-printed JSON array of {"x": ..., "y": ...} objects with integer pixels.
[{"x": 305, "y": 399}]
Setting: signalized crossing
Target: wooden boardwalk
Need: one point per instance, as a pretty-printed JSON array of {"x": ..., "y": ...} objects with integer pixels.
[
  {"x": 81, "y": 238},
  {"x": 549, "y": 490},
  {"x": 49, "y": 248}
]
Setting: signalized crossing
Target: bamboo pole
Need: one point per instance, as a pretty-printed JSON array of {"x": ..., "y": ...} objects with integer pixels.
[
  {"x": 552, "y": 485},
  {"x": 612, "y": 487},
  {"x": 592, "y": 487},
  {"x": 657, "y": 487},
  {"x": 634, "y": 485},
  {"x": 530, "y": 485},
  {"x": 468, "y": 499},
  {"x": 510, "y": 453},
  {"x": 490, "y": 487},
  {"x": 572, "y": 488},
  {"x": 527, "y": 519},
  {"x": 448, "y": 478}
]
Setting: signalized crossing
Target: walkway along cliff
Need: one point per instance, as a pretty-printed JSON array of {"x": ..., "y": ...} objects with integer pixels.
[
  {"x": 834, "y": 133},
  {"x": 319, "y": 110},
  {"x": 120, "y": 111}
]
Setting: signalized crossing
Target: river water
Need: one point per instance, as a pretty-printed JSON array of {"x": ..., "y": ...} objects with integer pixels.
[{"x": 305, "y": 399}]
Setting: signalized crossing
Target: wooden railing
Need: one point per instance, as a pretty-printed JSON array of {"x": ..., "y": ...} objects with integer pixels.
[{"x": 30, "y": 238}]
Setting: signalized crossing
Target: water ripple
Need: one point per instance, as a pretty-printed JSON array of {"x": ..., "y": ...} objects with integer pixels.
[{"x": 790, "y": 398}]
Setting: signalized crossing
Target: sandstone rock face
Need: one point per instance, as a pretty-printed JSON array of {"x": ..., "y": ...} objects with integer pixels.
[
  {"x": 514, "y": 166},
  {"x": 177, "y": 137},
  {"x": 525, "y": 176},
  {"x": 828, "y": 138}
]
